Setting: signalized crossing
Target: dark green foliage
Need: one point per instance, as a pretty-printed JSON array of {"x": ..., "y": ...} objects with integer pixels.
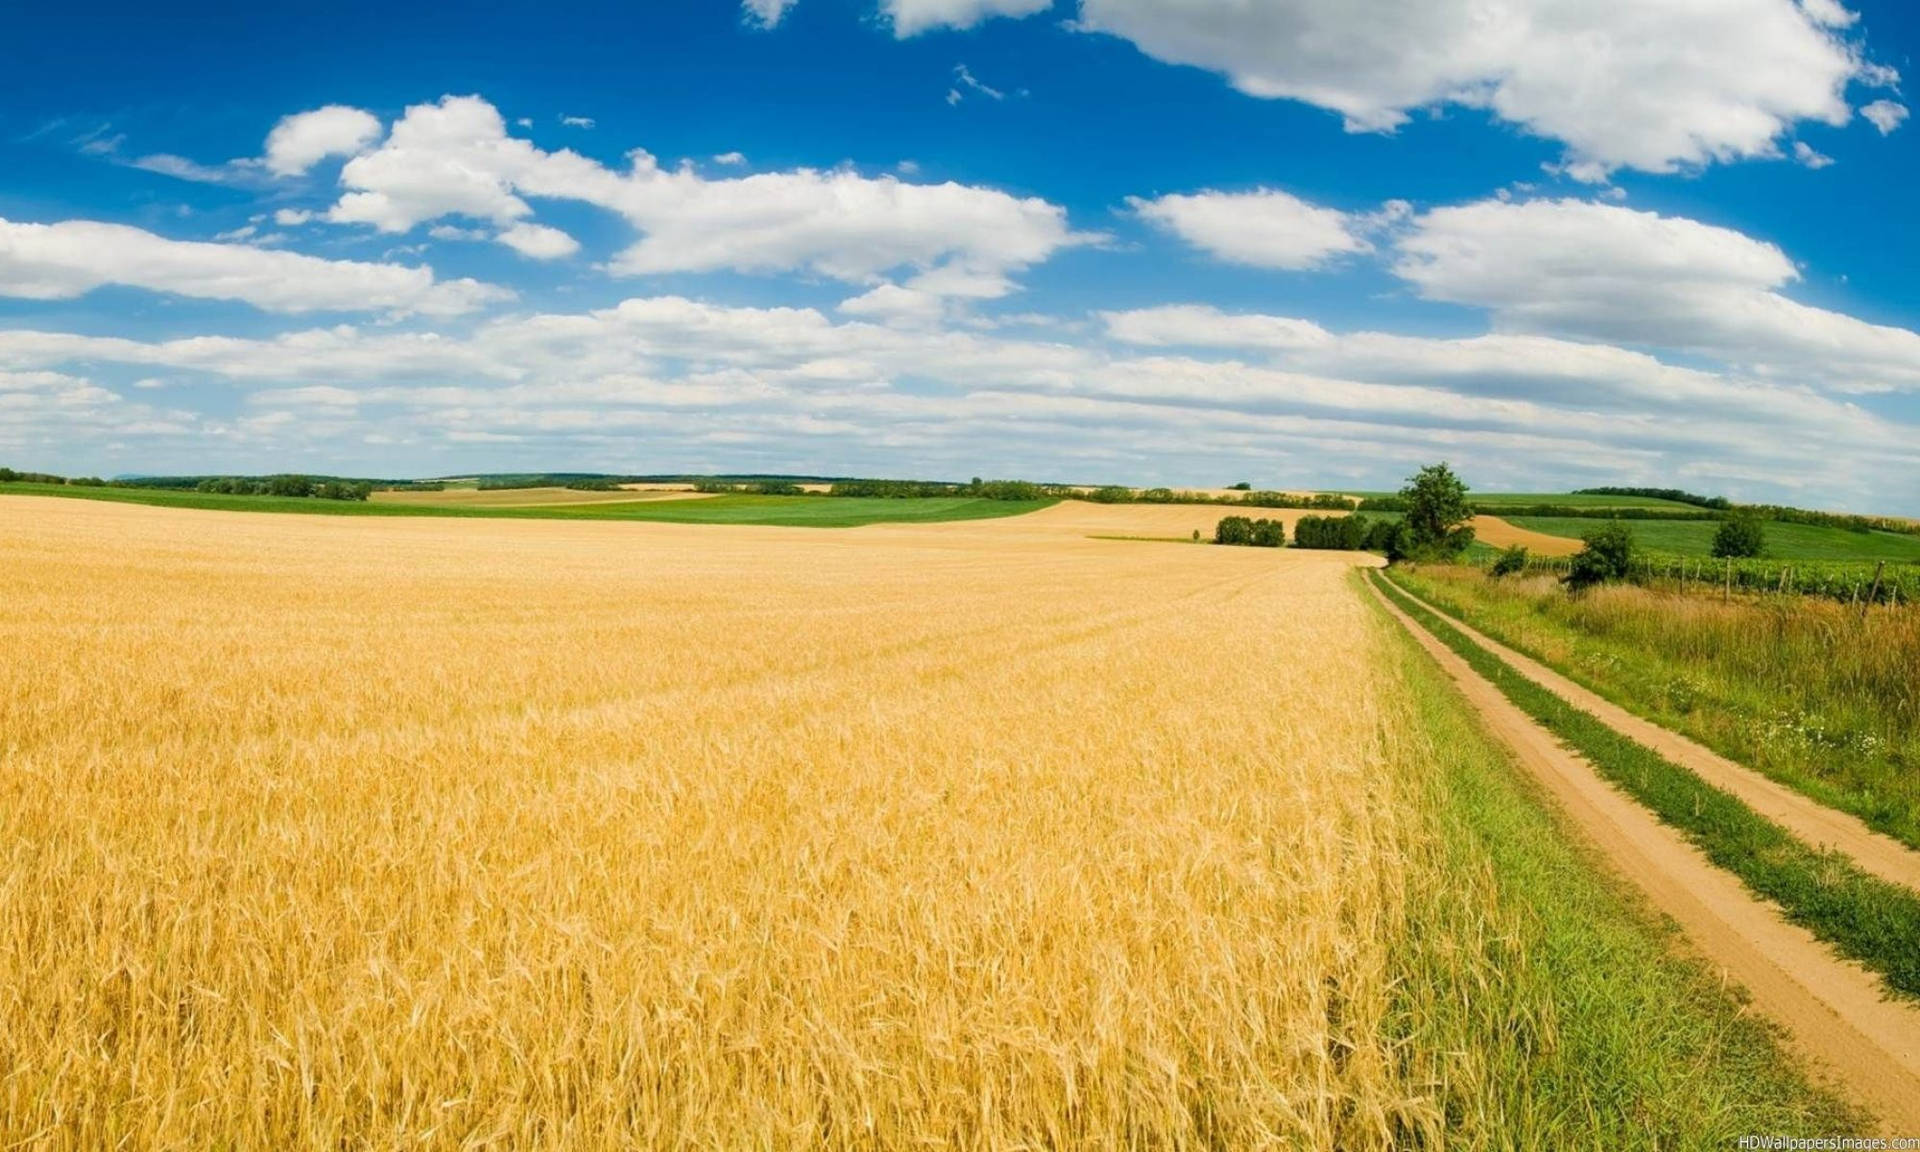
[
  {"x": 1740, "y": 536},
  {"x": 1111, "y": 494},
  {"x": 9, "y": 476},
  {"x": 1607, "y": 556},
  {"x": 87, "y": 482},
  {"x": 1391, "y": 539},
  {"x": 1340, "y": 533},
  {"x": 1233, "y": 530},
  {"x": 893, "y": 489},
  {"x": 595, "y": 484},
  {"x": 285, "y": 486},
  {"x": 1253, "y": 533},
  {"x": 1437, "y": 508},
  {"x": 1673, "y": 494},
  {"x": 1383, "y": 504},
  {"x": 1511, "y": 562},
  {"x": 1010, "y": 490},
  {"x": 1243, "y": 486},
  {"x": 1867, "y": 918}
]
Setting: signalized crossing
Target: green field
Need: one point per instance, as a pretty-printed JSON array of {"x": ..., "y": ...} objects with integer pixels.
[
  {"x": 1784, "y": 541},
  {"x": 795, "y": 511}
]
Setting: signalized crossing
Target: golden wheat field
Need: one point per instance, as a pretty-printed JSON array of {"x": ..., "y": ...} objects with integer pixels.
[{"x": 324, "y": 832}]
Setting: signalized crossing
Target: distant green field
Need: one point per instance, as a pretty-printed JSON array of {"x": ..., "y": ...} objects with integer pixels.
[
  {"x": 1784, "y": 541},
  {"x": 796, "y": 511}
]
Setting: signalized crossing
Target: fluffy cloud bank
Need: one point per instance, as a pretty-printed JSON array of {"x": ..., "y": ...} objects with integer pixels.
[
  {"x": 65, "y": 260},
  {"x": 1174, "y": 393},
  {"x": 456, "y": 158},
  {"x": 1646, "y": 84},
  {"x": 1606, "y": 273}
]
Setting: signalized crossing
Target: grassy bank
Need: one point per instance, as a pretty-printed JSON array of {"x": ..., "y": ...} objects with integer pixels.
[
  {"x": 1524, "y": 953},
  {"x": 1807, "y": 691},
  {"x": 795, "y": 511},
  {"x": 1784, "y": 541},
  {"x": 1865, "y": 918}
]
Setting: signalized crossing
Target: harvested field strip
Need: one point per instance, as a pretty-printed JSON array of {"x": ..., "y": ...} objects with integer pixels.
[
  {"x": 1801, "y": 815},
  {"x": 1864, "y": 917}
]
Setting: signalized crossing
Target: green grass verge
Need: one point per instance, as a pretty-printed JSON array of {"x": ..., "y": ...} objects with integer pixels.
[
  {"x": 1548, "y": 1005},
  {"x": 1783, "y": 541},
  {"x": 1866, "y": 918},
  {"x": 795, "y": 511}
]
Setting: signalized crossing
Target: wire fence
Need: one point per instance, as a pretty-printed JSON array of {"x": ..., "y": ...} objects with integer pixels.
[{"x": 1853, "y": 581}]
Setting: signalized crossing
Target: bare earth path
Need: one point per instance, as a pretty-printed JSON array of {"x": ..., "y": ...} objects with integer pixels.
[
  {"x": 1805, "y": 817},
  {"x": 1833, "y": 1009}
]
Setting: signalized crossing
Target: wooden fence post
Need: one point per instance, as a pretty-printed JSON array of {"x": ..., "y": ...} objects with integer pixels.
[{"x": 1873, "y": 593}]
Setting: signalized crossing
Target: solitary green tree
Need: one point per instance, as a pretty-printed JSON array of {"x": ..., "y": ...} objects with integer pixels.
[
  {"x": 1607, "y": 556},
  {"x": 1739, "y": 536},
  {"x": 1437, "y": 510}
]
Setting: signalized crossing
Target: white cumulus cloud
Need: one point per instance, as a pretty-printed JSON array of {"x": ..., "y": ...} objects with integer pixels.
[
  {"x": 1604, "y": 272},
  {"x": 455, "y": 158},
  {"x": 300, "y": 141},
  {"x": 1885, "y": 115},
  {"x": 1266, "y": 228},
  {"x": 1647, "y": 84},
  {"x": 539, "y": 241},
  {"x": 68, "y": 259},
  {"x": 912, "y": 17}
]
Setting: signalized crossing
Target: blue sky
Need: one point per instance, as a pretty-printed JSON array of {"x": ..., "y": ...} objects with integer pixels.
[{"x": 1300, "y": 242}]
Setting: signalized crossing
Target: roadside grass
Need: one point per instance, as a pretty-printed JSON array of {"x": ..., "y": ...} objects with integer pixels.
[
  {"x": 1531, "y": 980},
  {"x": 1807, "y": 691},
  {"x": 1783, "y": 541},
  {"x": 795, "y": 511},
  {"x": 1868, "y": 919}
]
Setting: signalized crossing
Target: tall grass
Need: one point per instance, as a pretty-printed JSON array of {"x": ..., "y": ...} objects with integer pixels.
[
  {"x": 1819, "y": 695},
  {"x": 342, "y": 832}
]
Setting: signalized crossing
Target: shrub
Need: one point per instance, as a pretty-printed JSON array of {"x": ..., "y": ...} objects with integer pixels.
[
  {"x": 1739, "y": 536},
  {"x": 1233, "y": 530},
  {"x": 1243, "y": 486},
  {"x": 1111, "y": 494},
  {"x": 1607, "y": 556},
  {"x": 1511, "y": 562},
  {"x": 1268, "y": 534}
]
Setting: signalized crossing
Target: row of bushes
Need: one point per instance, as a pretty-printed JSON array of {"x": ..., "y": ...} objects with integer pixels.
[
  {"x": 1674, "y": 494},
  {"x": 9, "y": 476},
  {"x": 1241, "y": 530},
  {"x": 1329, "y": 533},
  {"x": 288, "y": 484}
]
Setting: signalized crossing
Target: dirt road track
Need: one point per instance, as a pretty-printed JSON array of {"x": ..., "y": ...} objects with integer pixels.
[
  {"x": 1834, "y": 1010},
  {"x": 1811, "y": 821}
]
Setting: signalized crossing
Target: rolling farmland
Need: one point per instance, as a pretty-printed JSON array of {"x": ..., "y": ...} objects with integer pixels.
[{"x": 452, "y": 832}]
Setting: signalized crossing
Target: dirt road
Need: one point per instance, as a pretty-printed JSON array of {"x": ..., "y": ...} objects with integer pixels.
[
  {"x": 1811, "y": 821},
  {"x": 1834, "y": 1011}
]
